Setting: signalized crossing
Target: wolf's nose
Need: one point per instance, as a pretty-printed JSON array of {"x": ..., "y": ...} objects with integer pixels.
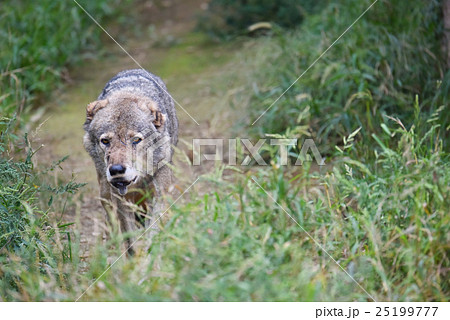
[{"x": 116, "y": 169}]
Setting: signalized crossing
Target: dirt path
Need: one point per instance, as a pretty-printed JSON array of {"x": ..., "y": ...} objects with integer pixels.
[{"x": 192, "y": 68}]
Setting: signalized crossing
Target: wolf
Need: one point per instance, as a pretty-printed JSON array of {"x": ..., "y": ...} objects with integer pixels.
[{"x": 130, "y": 132}]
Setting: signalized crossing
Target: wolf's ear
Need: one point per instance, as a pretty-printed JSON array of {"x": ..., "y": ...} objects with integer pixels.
[
  {"x": 93, "y": 107},
  {"x": 160, "y": 118}
]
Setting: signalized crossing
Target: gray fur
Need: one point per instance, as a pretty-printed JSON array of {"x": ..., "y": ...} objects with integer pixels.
[
  {"x": 142, "y": 82},
  {"x": 133, "y": 112}
]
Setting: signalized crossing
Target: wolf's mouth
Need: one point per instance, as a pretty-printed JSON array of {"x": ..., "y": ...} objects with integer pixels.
[{"x": 122, "y": 185}]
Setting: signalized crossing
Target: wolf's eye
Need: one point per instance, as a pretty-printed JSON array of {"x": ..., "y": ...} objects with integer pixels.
[
  {"x": 136, "y": 140},
  {"x": 104, "y": 141}
]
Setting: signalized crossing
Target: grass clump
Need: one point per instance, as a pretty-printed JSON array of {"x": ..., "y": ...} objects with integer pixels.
[
  {"x": 397, "y": 207},
  {"x": 40, "y": 40},
  {"x": 374, "y": 70},
  {"x": 28, "y": 234}
]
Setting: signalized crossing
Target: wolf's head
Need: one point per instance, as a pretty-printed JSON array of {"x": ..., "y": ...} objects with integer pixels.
[{"x": 126, "y": 137}]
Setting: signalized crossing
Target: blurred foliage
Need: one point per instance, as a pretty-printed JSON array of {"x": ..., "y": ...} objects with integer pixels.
[
  {"x": 228, "y": 18},
  {"x": 40, "y": 39},
  {"x": 374, "y": 70}
]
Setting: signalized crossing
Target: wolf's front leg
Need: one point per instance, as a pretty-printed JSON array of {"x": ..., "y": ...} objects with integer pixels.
[
  {"x": 151, "y": 223},
  {"x": 127, "y": 223},
  {"x": 161, "y": 182}
]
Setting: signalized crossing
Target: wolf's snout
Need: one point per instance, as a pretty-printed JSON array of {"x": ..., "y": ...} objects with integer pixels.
[
  {"x": 116, "y": 169},
  {"x": 120, "y": 177}
]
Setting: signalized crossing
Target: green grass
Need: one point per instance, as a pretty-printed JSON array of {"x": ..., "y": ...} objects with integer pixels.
[
  {"x": 27, "y": 197},
  {"x": 385, "y": 222},
  {"x": 40, "y": 40},
  {"x": 374, "y": 70}
]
